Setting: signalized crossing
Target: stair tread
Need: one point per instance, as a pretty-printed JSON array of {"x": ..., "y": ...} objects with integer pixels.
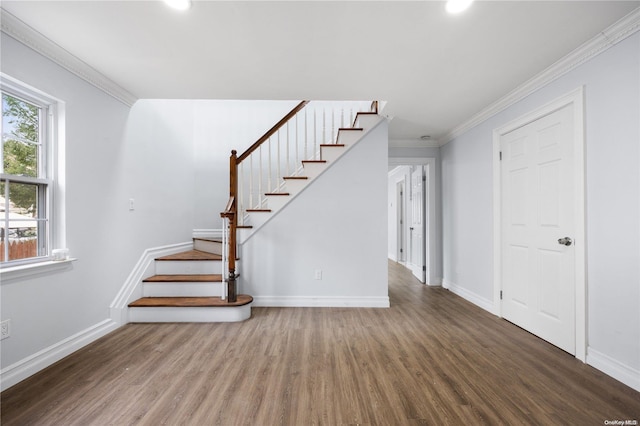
[
  {"x": 259, "y": 210},
  {"x": 351, "y": 128},
  {"x": 277, "y": 193},
  {"x": 329, "y": 145},
  {"x": 314, "y": 161},
  {"x": 189, "y": 278},
  {"x": 244, "y": 226},
  {"x": 295, "y": 177},
  {"x": 192, "y": 255},
  {"x": 196, "y": 302}
]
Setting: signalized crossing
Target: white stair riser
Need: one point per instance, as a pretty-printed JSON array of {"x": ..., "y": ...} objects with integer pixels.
[
  {"x": 182, "y": 289},
  {"x": 276, "y": 202},
  {"x": 214, "y": 247},
  {"x": 294, "y": 186},
  {"x": 332, "y": 153},
  {"x": 186, "y": 267},
  {"x": 256, "y": 219},
  {"x": 366, "y": 121},
  {"x": 190, "y": 314},
  {"x": 312, "y": 170},
  {"x": 349, "y": 137}
]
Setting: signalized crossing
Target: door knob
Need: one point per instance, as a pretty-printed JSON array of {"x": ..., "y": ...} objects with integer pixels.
[{"x": 566, "y": 241}]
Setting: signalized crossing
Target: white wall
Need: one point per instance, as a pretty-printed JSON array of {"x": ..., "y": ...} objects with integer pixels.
[
  {"x": 113, "y": 153},
  {"x": 612, "y": 104},
  {"x": 221, "y": 126},
  {"x": 338, "y": 224}
]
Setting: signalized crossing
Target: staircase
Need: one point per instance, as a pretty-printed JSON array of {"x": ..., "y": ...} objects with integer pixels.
[{"x": 188, "y": 287}]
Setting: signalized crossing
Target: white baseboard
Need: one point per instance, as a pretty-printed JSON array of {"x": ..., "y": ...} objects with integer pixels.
[
  {"x": 32, "y": 364},
  {"x": 614, "y": 368},
  {"x": 470, "y": 296},
  {"x": 320, "y": 301},
  {"x": 132, "y": 287}
]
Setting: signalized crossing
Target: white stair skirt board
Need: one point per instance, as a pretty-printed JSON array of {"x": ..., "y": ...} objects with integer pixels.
[
  {"x": 190, "y": 314},
  {"x": 182, "y": 289},
  {"x": 208, "y": 246},
  {"x": 187, "y": 267}
]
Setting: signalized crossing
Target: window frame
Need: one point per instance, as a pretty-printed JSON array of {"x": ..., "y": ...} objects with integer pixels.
[{"x": 51, "y": 177}]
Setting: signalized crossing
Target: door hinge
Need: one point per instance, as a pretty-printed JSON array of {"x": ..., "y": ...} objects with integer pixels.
[
  {"x": 424, "y": 178},
  {"x": 424, "y": 268},
  {"x": 500, "y": 155},
  {"x": 400, "y": 250},
  {"x": 500, "y": 294}
]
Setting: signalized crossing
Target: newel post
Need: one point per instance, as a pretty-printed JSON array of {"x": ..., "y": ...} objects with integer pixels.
[{"x": 233, "y": 223}]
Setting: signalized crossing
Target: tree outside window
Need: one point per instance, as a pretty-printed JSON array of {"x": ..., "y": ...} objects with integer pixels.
[{"x": 23, "y": 182}]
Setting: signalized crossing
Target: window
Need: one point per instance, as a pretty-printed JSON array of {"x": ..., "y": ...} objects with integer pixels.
[{"x": 26, "y": 172}]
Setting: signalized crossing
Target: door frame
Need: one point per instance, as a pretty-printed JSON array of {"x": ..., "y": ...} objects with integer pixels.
[
  {"x": 575, "y": 99},
  {"x": 401, "y": 219},
  {"x": 430, "y": 218}
]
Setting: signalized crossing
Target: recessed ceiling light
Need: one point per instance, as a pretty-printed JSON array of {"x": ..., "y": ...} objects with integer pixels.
[
  {"x": 457, "y": 6},
  {"x": 425, "y": 137},
  {"x": 179, "y": 4}
]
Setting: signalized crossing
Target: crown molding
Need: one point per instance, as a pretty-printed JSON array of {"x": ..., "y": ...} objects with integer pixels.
[
  {"x": 609, "y": 37},
  {"x": 15, "y": 28},
  {"x": 413, "y": 143}
]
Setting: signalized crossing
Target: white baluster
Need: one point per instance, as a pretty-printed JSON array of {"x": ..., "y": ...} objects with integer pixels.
[
  {"x": 305, "y": 136},
  {"x": 269, "y": 181},
  {"x": 250, "y": 204},
  {"x": 260, "y": 178},
  {"x": 287, "y": 150},
  {"x": 296, "y": 142}
]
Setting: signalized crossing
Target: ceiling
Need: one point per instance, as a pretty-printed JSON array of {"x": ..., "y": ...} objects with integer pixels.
[{"x": 433, "y": 69}]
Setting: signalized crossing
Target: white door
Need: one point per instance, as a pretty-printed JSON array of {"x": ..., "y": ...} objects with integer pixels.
[
  {"x": 538, "y": 196},
  {"x": 416, "y": 229}
]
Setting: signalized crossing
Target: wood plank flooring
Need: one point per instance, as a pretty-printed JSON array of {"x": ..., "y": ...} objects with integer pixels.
[{"x": 430, "y": 359}]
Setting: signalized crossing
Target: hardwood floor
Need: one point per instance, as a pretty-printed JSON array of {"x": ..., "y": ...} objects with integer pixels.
[{"x": 431, "y": 359}]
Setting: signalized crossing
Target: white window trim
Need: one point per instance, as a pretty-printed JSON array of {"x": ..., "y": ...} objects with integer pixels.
[{"x": 56, "y": 163}]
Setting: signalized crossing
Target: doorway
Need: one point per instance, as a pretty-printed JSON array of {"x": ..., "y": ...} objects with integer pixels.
[
  {"x": 539, "y": 239},
  {"x": 418, "y": 232}
]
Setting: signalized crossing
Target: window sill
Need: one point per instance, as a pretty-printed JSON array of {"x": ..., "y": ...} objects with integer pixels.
[{"x": 34, "y": 269}]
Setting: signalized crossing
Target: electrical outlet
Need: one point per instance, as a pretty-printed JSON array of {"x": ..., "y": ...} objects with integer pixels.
[
  {"x": 5, "y": 331},
  {"x": 318, "y": 274}
]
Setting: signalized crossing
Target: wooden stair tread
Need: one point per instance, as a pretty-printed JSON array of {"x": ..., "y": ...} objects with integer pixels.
[
  {"x": 195, "y": 302},
  {"x": 259, "y": 210},
  {"x": 329, "y": 145},
  {"x": 295, "y": 177},
  {"x": 313, "y": 161},
  {"x": 244, "y": 227},
  {"x": 199, "y": 278},
  {"x": 211, "y": 240},
  {"x": 359, "y": 129},
  {"x": 191, "y": 255},
  {"x": 278, "y": 193}
]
